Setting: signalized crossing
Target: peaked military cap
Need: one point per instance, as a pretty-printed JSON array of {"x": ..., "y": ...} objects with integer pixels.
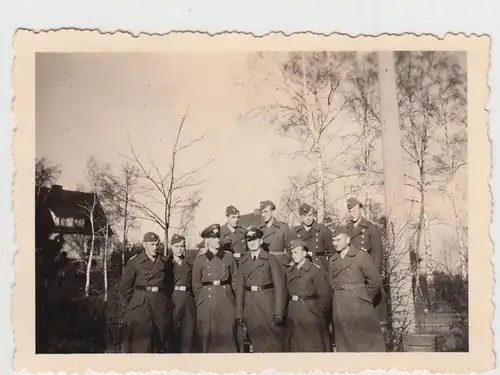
[
  {"x": 339, "y": 229},
  {"x": 176, "y": 238},
  {"x": 151, "y": 237},
  {"x": 351, "y": 202},
  {"x": 264, "y": 204},
  {"x": 296, "y": 243},
  {"x": 231, "y": 210},
  {"x": 304, "y": 209},
  {"x": 211, "y": 231},
  {"x": 254, "y": 233}
]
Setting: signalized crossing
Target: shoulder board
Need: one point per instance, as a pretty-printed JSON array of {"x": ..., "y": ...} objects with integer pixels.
[
  {"x": 227, "y": 251},
  {"x": 132, "y": 257},
  {"x": 314, "y": 264}
]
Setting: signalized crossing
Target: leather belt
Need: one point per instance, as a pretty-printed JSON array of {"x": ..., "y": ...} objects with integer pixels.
[
  {"x": 296, "y": 298},
  {"x": 258, "y": 288},
  {"x": 216, "y": 282},
  {"x": 183, "y": 288},
  {"x": 237, "y": 255},
  {"x": 350, "y": 286},
  {"x": 312, "y": 253},
  {"x": 153, "y": 289}
]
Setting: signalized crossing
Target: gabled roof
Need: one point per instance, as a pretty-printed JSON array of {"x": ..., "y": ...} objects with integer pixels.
[
  {"x": 249, "y": 220},
  {"x": 71, "y": 205}
]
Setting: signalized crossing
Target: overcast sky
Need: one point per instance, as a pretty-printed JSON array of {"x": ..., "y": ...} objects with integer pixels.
[{"x": 88, "y": 105}]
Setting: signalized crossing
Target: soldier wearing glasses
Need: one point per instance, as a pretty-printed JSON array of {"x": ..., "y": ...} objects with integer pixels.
[
  {"x": 261, "y": 296},
  {"x": 214, "y": 277},
  {"x": 182, "y": 297},
  {"x": 146, "y": 289}
]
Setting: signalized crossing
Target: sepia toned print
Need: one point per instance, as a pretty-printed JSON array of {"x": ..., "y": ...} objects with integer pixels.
[{"x": 207, "y": 201}]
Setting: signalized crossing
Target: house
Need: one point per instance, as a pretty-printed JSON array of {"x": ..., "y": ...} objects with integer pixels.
[
  {"x": 76, "y": 217},
  {"x": 250, "y": 220}
]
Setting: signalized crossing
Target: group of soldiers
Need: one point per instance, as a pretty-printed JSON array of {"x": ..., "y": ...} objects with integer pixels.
[{"x": 268, "y": 288}]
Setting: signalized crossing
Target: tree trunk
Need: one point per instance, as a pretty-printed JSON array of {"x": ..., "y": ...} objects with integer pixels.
[
  {"x": 402, "y": 307},
  {"x": 106, "y": 264},
  {"x": 124, "y": 246},
  {"x": 91, "y": 256}
]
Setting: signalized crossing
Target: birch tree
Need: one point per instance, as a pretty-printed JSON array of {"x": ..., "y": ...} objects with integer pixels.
[{"x": 168, "y": 192}]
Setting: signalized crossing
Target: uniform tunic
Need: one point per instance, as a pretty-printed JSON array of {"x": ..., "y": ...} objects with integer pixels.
[
  {"x": 319, "y": 242},
  {"x": 277, "y": 238},
  {"x": 184, "y": 308},
  {"x": 234, "y": 242},
  {"x": 148, "y": 313},
  {"x": 366, "y": 236},
  {"x": 355, "y": 281},
  {"x": 215, "y": 303},
  {"x": 258, "y": 307},
  {"x": 306, "y": 323}
]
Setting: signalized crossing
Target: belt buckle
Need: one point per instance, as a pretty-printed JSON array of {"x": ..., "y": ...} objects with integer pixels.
[
  {"x": 237, "y": 255},
  {"x": 254, "y": 288},
  {"x": 217, "y": 282},
  {"x": 295, "y": 298},
  {"x": 182, "y": 288},
  {"x": 154, "y": 288}
]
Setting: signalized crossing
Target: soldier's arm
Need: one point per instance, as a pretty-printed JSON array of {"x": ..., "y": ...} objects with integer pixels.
[
  {"x": 372, "y": 276},
  {"x": 240, "y": 293},
  {"x": 196, "y": 277},
  {"x": 323, "y": 290},
  {"x": 168, "y": 280},
  {"x": 377, "y": 247},
  {"x": 126, "y": 287},
  {"x": 280, "y": 290},
  {"x": 233, "y": 268},
  {"x": 330, "y": 279}
]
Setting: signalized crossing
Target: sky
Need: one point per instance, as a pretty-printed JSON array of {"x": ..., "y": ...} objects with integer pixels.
[{"x": 90, "y": 104}]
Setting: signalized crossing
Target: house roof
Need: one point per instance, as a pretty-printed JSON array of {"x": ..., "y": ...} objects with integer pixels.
[
  {"x": 249, "y": 220},
  {"x": 70, "y": 204}
]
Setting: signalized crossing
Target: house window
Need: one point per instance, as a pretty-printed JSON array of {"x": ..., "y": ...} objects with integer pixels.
[
  {"x": 79, "y": 223},
  {"x": 97, "y": 246}
]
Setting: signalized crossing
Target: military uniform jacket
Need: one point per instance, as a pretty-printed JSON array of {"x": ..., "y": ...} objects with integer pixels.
[
  {"x": 319, "y": 240},
  {"x": 143, "y": 306},
  {"x": 366, "y": 236},
  {"x": 355, "y": 281},
  {"x": 276, "y": 237},
  {"x": 234, "y": 242}
]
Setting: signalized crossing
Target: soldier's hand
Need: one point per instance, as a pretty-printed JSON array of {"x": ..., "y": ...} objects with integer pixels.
[{"x": 278, "y": 320}]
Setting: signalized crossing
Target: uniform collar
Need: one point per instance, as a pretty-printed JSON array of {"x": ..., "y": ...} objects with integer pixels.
[
  {"x": 274, "y": 222},
  {"x": 225, "y": 229},
  {"x": 314, "y": 226},
  {"x": 307, "y": 265},
  {"x": 361, "y": 223},
  {"x": 219, "y": 254},
  {"x": 350, "y": 253}
]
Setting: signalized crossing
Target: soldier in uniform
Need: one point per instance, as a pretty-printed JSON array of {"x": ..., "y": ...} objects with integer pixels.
[
  {"x": 232, "y": 236},
  {"x": 309, "y": 303},
  {"x": 261, "y": 296},
  {"x": 366, "y": 236},
  {"x": 182, "y": 297},
  {"x": 355, "y": 281},
  {"x": 214, "y": 282},
  {"x": 146, "y": 289},
  {"x": 317, "y": 237},
  {"x": 277, "y": 234}
]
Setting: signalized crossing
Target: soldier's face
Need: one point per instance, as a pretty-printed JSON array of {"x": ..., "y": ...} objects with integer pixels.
[
  {"x": 355, "y": 212},
  {"x": 233, "y": 220},
  {"x": 308, "y": 218},
  {"x": 178, "y": 248},
  {"x": 213, "y": 242},
  {"x": 341, "y": 242},
  {"x": 150, "y": 248},
  {"x": 254, "y": 245},
  {"x": 298, "y": 254},
  {"x": 266, "y": 214}
]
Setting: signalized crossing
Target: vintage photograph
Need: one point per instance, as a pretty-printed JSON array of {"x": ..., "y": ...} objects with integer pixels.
[{"x": 251, "y": 202}]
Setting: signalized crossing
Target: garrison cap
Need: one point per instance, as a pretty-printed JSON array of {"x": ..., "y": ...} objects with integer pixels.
[
  {"x": 151, "y": 237},
  {"x": 231, "y": 210},
  {"x": 176, "y": 238},
  {"x": 351, "y": 202},
  {"x": 264, "y": 204},
  {"x": 339, "y": 229},
  {"x": 296, "y": 243},
  {"x": 211, "y": 231},
  {"x": 304, "y": 209},
  {"x": 254, "y": 233}
]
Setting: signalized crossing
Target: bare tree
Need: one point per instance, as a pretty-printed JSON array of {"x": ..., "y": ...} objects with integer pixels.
[
  {"x": 311, "y": 85},
  {"x": 46, "y": 174},
  {"x": 167, "y": 189}
]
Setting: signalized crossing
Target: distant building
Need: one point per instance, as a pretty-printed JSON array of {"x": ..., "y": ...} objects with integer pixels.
[
  {"x": 251, "y": 219},
  {"x": 67, "y": 213}
]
